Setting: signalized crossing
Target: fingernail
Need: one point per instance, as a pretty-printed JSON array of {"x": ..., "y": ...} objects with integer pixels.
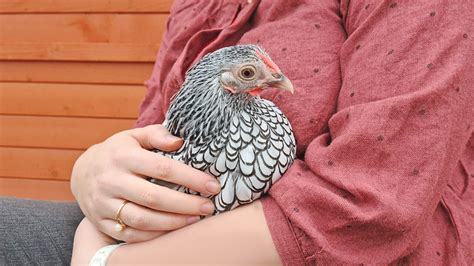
[
  {"x": 213, "y": 187},
  {"x": 172, "y": 138},
  {"x": 207, "y": 208},
  {"x": 193, "y": 219}
]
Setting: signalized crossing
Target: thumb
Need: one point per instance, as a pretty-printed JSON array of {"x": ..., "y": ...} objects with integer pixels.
[{"x": 156, "y": 137}]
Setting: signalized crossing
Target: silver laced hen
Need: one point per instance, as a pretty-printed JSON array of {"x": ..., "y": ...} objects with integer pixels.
[{"x": 229, "y": 131}]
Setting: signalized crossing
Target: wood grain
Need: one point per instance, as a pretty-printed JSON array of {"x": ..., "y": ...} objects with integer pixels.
[
  {"x": 71, "y": 75},
  {"x": 112, "y": 52},
  {"x": 58, "y": 132},
  {"x": 82, "y": 100},
  {"x": 103, "y": 28},
  {"x": 73, "y": 6},
  {"x": 35, "y": 189},
  {"x": 75, "y": 72},
  {"x": 50, "y": 164}
]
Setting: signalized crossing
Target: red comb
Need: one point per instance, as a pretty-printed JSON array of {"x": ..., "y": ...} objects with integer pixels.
[{"x": 269, "y": 63}]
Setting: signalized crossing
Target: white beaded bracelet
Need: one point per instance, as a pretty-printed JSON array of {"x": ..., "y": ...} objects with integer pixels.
[{"x": 101, "y": 256}]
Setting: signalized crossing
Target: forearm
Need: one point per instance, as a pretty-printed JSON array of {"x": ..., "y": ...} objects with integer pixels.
[
  {"x": 87, "y": 240},
  {"x": 237, "y": 237}
]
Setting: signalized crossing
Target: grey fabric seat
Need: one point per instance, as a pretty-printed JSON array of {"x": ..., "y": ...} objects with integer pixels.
[{"x": 37, "y": 232}]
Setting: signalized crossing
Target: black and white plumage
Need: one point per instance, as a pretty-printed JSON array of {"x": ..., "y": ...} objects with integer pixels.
[{"x": 243, "y": 140}]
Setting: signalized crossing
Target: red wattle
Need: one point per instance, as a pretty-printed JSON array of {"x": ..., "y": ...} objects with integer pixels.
[{"x": 256, "y": 91}]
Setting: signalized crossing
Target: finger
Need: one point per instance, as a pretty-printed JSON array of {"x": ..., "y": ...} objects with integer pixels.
[
  {"x": 145, "y": 219},
  {"x": 128, "y": 234},
  {"x": 154, "y": 165},
  {"x": 145, "y": 193},
  {"x": 156, "y": 137}
]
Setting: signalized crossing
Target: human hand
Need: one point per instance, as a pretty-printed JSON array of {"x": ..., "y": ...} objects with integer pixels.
[{"x": 113, "y": 171}]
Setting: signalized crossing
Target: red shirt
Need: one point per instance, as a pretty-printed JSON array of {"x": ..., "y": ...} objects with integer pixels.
[{"x": 383, "y": 116}]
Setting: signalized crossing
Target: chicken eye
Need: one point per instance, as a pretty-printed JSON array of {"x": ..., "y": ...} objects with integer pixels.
[{"x": 247, "y": 73}]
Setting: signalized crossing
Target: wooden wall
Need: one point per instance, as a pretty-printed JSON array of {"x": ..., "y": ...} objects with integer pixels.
[{"x": 71, "y": 74}]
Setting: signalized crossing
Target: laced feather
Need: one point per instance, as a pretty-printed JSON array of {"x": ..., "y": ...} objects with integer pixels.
[{"x": 231, "y": 136}]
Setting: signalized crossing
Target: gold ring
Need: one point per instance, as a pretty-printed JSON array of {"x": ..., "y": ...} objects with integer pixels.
[{"x": 120, "y": 225}]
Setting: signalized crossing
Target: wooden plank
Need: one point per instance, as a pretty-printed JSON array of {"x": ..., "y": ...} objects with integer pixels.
[
  {"x": 31, "y": 163},
  {"x": 75, "y": 72},
  {"x": 105, "y": 28},
  {"x": 83, "y": 100},
  {"x": 76, "y": 6},
  {"x": 58, "y": 132},
  {"x": 35, "y": 189},
  {"x": 122, "y": 52}
]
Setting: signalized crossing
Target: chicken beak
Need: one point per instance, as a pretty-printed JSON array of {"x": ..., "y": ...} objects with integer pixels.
[{"x": 283, "y": 84}]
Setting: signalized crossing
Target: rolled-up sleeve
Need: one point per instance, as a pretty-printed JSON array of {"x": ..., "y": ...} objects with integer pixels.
[
  {"x": 382, "y": 113},
  {"x": 367, "y": 189}
]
